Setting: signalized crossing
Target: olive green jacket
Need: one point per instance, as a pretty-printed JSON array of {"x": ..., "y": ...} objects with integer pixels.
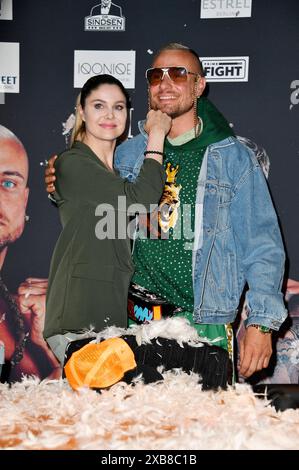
[{"x": 89, "y": 276}]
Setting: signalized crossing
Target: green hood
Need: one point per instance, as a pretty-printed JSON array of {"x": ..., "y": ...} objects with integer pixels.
[{"x": 215, "y": 126}]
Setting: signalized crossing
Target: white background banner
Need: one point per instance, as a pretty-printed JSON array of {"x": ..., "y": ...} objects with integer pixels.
[
  {"x": 9, "y": 67},
  {"x": 5, "y": 9},
  {"x": 120, "y": 64},
  {"x": 226, "y": 69},
  {"x": 225, "y": 8}
]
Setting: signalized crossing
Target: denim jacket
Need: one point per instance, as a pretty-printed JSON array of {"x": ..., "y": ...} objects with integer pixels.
[{"x": 237, "y": 238}]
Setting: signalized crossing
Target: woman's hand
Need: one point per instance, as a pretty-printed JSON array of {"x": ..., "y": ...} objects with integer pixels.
[
  {"x": 157, "y": 126},
  {"x": 157, "y": 122}
]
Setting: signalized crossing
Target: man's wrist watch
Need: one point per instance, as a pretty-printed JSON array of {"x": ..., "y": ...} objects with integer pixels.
[{"x": 263, "y": 329}]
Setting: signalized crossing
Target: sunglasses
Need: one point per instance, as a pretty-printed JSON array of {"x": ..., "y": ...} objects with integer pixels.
[{"x": 175, "y": 74}]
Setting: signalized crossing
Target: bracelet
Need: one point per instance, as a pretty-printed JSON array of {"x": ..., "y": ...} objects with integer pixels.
[
  {"x": 263, "y": 329},
  {"x": 147, "y": 152}
]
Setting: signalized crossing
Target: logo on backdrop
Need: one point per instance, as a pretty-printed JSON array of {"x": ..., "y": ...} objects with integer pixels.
[
  {"x": 294, "y": 98},
  {"x": 5, "y": 9},
  {"x": 226, "y": 69},
  {"x": 9, "y": 67},
  {"x": 225, "y": 8},
  {"x": 105, "y": 16},
  {"x": 120, "y": 64}
]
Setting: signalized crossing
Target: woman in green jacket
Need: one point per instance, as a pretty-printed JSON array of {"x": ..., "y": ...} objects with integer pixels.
[{"x": 91, "y": 265}]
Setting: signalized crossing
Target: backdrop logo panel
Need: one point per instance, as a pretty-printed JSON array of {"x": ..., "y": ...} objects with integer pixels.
[
  {"x": 294, "y": 98},
  {"x": 105, "y": 16},
  {"x": 226, "y": 69},
  {"x": 9, "y": 67},
  {"x": 225, "y": 8},
  {"x": 5, "y": 9},
  {"x": 120, "y": 64}
]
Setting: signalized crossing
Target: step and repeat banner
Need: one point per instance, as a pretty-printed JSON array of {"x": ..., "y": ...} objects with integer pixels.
[{"x": 250, "y": 51}]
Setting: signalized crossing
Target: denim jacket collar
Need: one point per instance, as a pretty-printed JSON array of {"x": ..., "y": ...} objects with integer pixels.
[{"x": 141, "y": 128}]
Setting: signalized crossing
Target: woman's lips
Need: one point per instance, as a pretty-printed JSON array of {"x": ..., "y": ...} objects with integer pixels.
[{"x": 108, "y": 126}]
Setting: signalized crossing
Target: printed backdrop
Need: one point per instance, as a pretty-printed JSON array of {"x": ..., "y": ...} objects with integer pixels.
[{"x": 48, "y": 50}]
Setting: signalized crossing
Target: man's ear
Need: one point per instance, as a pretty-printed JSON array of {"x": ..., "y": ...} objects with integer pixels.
[
  {"x": 200, "y": 86},
  {"x": 26, "y": 197}
]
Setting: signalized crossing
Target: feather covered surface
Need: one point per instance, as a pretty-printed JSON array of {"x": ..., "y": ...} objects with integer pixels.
[
  {"x": 172, "y": 414},
  {"x": 177, "y": 328}
]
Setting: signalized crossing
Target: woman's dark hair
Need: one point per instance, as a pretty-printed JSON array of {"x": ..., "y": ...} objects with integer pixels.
[{"x": 92, "y": 84}]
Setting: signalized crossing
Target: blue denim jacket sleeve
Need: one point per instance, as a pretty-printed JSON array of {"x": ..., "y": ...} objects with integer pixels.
[
  {"x": 129, "y": 157},
  {"x": 260, "y": 247}
]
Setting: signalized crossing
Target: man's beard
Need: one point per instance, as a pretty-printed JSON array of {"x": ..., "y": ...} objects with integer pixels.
[
  {"x": 173, "y": 113},
  {"x": 10, "y": 238}
]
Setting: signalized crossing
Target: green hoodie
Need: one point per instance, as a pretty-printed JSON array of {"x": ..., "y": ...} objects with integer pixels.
[{"x": 164, "y": 265}]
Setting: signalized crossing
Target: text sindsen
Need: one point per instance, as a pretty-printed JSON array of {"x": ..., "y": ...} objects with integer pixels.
[{"x": 104, "y": 23}]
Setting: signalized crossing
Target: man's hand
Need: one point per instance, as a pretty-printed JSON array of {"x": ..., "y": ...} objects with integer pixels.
[
  {"x": 292, "y": 287},
  {"x": 32, "y": 302},
  {"x": 33, "y": 285},
  {"x": 255, "y": 351},
  {"x": 50, "y": 175},
  {"x": 31, "y": 299}
]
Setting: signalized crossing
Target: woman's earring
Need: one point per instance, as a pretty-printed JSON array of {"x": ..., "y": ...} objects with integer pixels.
[{"x": 27, "y": 218}]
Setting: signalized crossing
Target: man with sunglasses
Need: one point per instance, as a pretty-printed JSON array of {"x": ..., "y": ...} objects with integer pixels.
[{"x": 216, "y": 230}]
